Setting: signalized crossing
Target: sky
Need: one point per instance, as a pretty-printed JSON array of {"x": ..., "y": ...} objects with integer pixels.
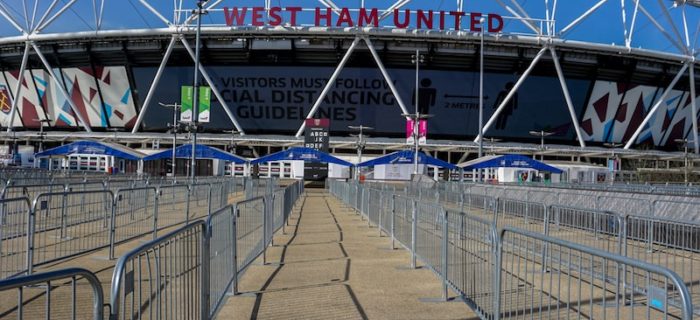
[{"x": 604, "y": 26}]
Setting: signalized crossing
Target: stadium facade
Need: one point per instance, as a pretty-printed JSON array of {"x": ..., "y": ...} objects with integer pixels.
[{"x": 355, "y": 65}]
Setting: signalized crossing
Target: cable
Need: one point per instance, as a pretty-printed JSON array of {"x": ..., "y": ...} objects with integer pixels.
[
  {"x": 77, "y": 15},
  {"x": 139, "y": 13}
]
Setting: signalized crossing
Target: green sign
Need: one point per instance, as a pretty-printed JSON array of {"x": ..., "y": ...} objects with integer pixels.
[
  {"x": 204, "y": 103},
  {"x": 186, "y": 98}
]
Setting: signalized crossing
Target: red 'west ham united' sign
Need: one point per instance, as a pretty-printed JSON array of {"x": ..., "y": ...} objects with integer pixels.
[{"x": 364, "y": 17}]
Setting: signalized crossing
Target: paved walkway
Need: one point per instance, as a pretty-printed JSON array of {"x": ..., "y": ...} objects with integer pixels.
[{"x": 330, "y": 265}]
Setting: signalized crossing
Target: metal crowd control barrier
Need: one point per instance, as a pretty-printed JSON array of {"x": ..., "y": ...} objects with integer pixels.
[
  {"x": 165, "y": 278},
  {"x": 135, "y": 213},
  {"x": 251, "y": 232},
  {"x": 31, "y": 289},
  {"x": 570, "y": 287},
  {"x": 534, "y": 274},
  {"x": 671, "y": 244},
  {"x": 173, "y": 205},
  {"x": 58, "y": 225},
  {"x": 66, "y": 224},
  {"x": 221, "y": 228},
  {"x": 14, "y": 224},
  {"x": 188, "y": 272}
]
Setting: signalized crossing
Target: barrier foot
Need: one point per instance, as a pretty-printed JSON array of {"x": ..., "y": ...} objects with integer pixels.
[{"x": 439, "y": 300}]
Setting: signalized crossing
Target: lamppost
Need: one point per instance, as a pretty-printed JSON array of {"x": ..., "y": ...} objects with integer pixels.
[
  {"x": 175, "y": 126},
  {"x": 615, "y": 158},
  {"x": 416, "y": 117},
  {"x": 360, "y": 144},
  {"x": 41, "y": 132},
  {"x": 541, "y": 134},
  {"x": 234, "y": 133},
  {"x": 195, "y": 87},
  {"x": 481, "y": 93},
  {"x": 683, "y": 143}
]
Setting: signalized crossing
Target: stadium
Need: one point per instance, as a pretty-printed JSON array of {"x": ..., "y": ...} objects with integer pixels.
[
  {"x": 338, "y": 159},
  {"x": 272, "y": 65}
]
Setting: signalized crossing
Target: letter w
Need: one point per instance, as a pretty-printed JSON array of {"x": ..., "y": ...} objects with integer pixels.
[{"x": 233, "y": 17}]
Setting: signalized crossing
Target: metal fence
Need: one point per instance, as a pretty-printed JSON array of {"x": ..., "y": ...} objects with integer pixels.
[
  {"x": 555, "y": 279},
  {"x": 188, "y": 272},
  {"x": 14, "y": 223},
  {"x": 62, "y": 224},
  {"x": 528, "y": 271},
  {"x": 164, "y": 278},
  {"x": 34, "y": 295}
]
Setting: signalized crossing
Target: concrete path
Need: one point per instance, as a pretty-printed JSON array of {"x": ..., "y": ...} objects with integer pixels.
[{"x": 331, "y": 265}]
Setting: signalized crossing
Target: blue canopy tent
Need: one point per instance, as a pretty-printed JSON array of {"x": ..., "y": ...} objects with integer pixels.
[
  {"x": 302, "y": 154},
  {"x": 406, "y": 157},
  {"x": 201, "y": 152},
  {"x": 93, "y": 148},
  {"x": 508, "y": 161}
]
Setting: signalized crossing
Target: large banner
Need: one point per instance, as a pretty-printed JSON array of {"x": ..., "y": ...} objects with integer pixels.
[
  {"x": 615, "y": 111},
  {"x": 102, "y": 95},
  {"x": 277, "y": 99}
]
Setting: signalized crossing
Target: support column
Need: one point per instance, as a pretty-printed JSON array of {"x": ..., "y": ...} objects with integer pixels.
[
  {"x": 154, "y": 84},
  {"x": 567, "y": 97},
  {"x": 329, "y": 85},
  {"x": 61, "y": 88},
  {"x": 694, "y": 108},
  {"x": 511, "y": 93},
  {"x": 18, "y": 88},
  {"x": 651, "y": 113},
  {"x": 214, "y": 89},
  {"x": 387, "y": 78}
]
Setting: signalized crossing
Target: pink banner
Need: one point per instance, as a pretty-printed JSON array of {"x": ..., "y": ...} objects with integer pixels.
[{"x": 422, "y": 131}]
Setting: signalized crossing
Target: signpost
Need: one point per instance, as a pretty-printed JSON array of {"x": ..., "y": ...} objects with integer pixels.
[{"x": 316, "y": 137}]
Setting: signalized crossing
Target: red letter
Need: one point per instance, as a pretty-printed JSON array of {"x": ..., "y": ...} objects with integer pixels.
[
  {"x": 257, "y": 15},
  {"x": 364, "y": 19},
  {"x": 423, "y": 18},
  {"x": 495, "y": 18},
  {"x": 442, "y": 20},
  {"x": 407, "y": 21},
  {"x": 344, "y": 17},
  {"x": 320, "y": 16},
  {"x": 474, "y": 23},
  {"x": 234, "y": 17},
  {"x": 458, "y": 19},
  {"x": 275, "y": 18},
  {"x": 293, "y": 15}
]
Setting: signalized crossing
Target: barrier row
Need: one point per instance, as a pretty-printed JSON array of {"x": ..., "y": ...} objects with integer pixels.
[
  {"x": 535, "y": 270},
  {"x": 189, "y": 272},
  {"x": 185, "y": 274},
  {"x": 58, "y": 225},
  {"x": 669, "y": 243},
  {"x": 680, "y": 207}
]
